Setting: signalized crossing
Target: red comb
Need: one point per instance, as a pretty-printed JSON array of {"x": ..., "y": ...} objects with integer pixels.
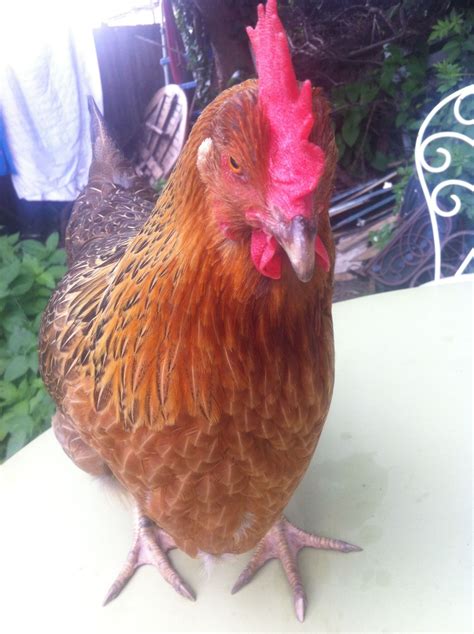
[{"x": 295, "y": 162}]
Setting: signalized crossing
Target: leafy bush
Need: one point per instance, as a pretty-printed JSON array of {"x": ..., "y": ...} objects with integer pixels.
[
  {"x": 379, "y": 116},
  {"x": 197, "y": 45},
  {"x": 29, "y": 271}
]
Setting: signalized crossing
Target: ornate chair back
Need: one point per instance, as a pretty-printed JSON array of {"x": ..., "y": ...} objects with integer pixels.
[{"x": 425, "y": 167}]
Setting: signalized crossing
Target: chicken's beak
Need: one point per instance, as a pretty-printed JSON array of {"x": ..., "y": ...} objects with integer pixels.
[{"x": 297, "y": 238}]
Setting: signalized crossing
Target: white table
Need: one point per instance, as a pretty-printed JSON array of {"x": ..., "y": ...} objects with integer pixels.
[{"x": 392, "y": 474}]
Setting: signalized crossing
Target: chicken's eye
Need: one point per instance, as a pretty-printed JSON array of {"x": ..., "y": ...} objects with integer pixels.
[{"x": 234, "y": 166}]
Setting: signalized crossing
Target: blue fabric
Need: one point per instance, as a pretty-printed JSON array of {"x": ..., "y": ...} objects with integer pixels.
[{"x": 6, "y": 162}]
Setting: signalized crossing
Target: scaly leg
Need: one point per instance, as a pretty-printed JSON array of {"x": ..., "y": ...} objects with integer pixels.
[
  {"x": 284, "y": 541},
  {"x": 150, "y": 546}
]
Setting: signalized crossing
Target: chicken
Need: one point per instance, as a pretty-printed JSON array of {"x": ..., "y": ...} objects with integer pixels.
[{"x": 189, "y": 348}]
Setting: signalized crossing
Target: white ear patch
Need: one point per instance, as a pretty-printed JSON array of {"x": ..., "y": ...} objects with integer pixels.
[{"x": 203, "y": 151}]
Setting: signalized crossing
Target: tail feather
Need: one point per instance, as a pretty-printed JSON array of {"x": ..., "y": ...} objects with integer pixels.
[
  {"x": 102, "y": 143},
  {"x": 115, "y": 202},
  {"x": 109, "y": 165}
]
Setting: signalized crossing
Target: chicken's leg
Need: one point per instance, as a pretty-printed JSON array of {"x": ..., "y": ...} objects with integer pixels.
[
  {"x": 150, "y": 546},
  {"x": 284, "y": 541}
]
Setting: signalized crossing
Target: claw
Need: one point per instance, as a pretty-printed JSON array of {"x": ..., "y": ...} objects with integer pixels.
[
  {"x": 300, "y": 608},
  {"x": 284, "y": 541},
  {"x": 151, "y": 545}
]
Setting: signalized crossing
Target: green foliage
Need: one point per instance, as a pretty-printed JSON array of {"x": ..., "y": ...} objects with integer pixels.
[
  {"x": 159, "y": 185},
  {"x": 29, "y": 271},
  {"x": 382, "y": 237},
  {"x": 451, "y": 25},
  {"x": 197, "y": 44},
  {"x": 448, "y": 75},
  {"x": 379, "y": 116},
  {"x": 404, "y": 174}
]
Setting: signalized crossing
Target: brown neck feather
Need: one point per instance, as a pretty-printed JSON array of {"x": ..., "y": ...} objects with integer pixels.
[{"x": 182, "y": 294}]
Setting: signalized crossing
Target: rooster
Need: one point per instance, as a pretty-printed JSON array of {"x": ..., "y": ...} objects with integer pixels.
[{"x": 189, "y": 348}]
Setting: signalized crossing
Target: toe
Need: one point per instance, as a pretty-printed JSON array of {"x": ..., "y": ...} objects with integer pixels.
[
  {"x": 151, "y": 545},
  {"x": 284, "y": 542}
]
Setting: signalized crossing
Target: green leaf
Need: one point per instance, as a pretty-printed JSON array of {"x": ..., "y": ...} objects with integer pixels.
[
  {"x": 416, "y": 68},
  {"x": 401, "y": 119},
  {"x": 353, "y": 92},
  {"x": 386, "y": 82},
  {"x": 13, "y": 239},
  {"x": 3, "y": 429},
  {"x": 34, "y": 248},
  {"x": 448, "y": 70},
  {"x": 381, "y": 238},
  {"x": 15, "y": 340},
  {"x": 16, "y": 441},
  {"x": 341, "y": 146},
  {"x": 409, "y": 86},
  {"x": 38, "y": 400},
  {"x": 52, "y": 242},
  {"x": 34, "y": 306},
  {"x": 447, "y": 26},
  {"x": 10, "y": 272},
  {"x": 380, "y": 161},
  {"x": 468, "y": 45},
  {"x": 24, "y": 389},
  {"x": 15, "y": 317},
  {"x": 43, "y": 291},
  {"x": 8, "y": 392},
  {"x": 37, "y": 322},
  {"x": 368, "y": 93},
  {"x": 22, "y": 285},
  {"x": 413, "y": 125},
  {"x": 20, "y": 419},
  {"x": 57, "y": 257},
  {"x": 452, "y": 50},
  {"x": 350, "y": 130},
  {"x": 33, "y": 361},
  {"x": 57, "y": 271},
  {"x": 46, "y": 279},
  {"x": 338, "y": 97},
  {"x": 448, "y": 75},
  {"x": 395, "y": 54},
  {"x": 7, "y": 252},
  {"x": 16, "y": 368},
  {"x": 22, "y": 407},
  {"x": 31, "y": 264}
]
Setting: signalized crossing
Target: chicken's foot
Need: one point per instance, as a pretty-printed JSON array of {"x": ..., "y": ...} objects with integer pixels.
[
  {"x": 284, "y": 541},
  {"x": 150, "y": 546}
]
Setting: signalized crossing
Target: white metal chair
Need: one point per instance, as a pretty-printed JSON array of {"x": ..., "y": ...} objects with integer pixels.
[{"x": 431, "y": 192}]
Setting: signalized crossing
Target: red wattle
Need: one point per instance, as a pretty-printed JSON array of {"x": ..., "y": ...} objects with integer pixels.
[
  {"x": 266, "y": 255},
  {"x": 322, "y": 256}
]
